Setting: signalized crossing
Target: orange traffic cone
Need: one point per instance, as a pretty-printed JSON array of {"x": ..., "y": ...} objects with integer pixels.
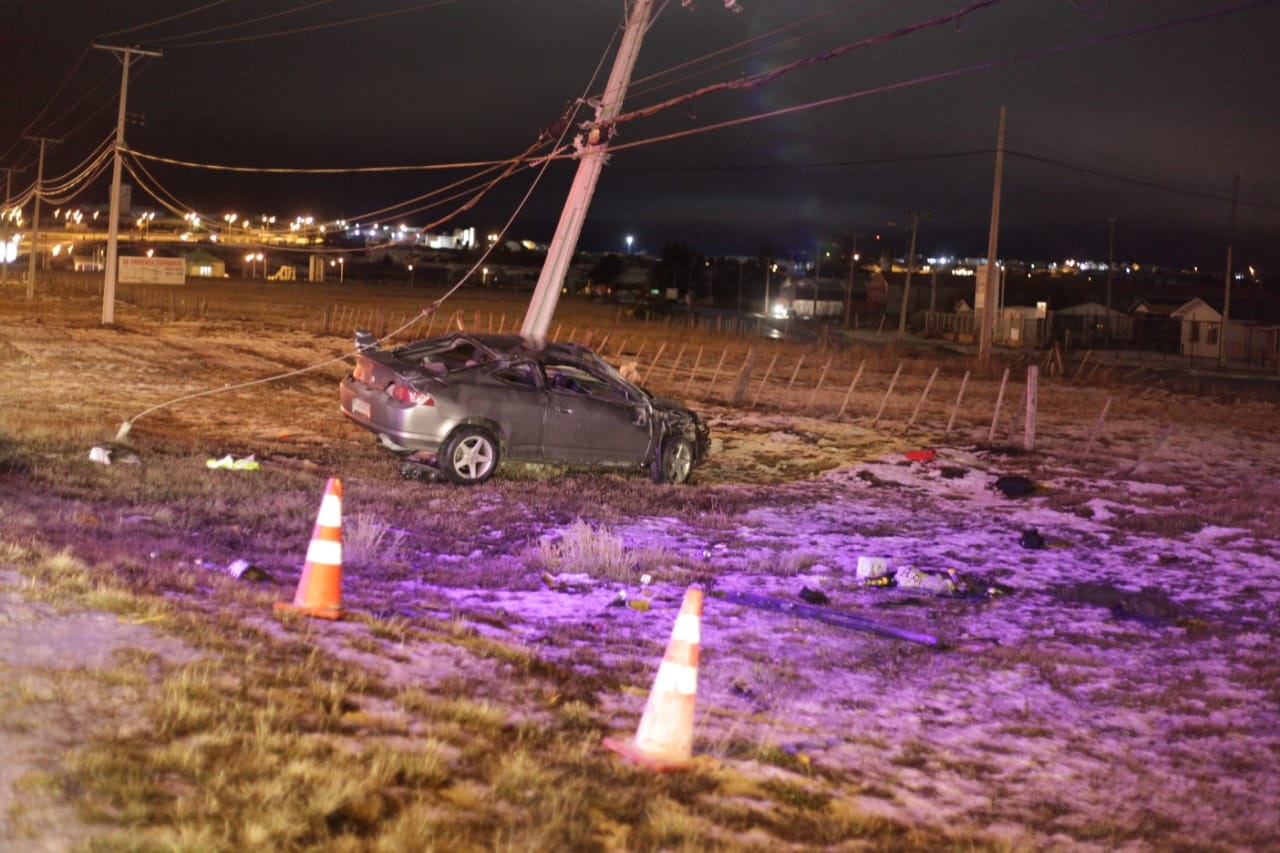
[
  {"x": 664, "y": 740},
  {"x": 320, "y": 587}
]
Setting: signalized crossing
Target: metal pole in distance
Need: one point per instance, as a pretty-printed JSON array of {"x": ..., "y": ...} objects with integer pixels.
[
  {"x": 911, "y": 263},
  {"x": 547, "y": 293},
  {"x": 113, "y": 214},
  {"x": 993, "y": 235},
  {"x": 35, "y": 222}
]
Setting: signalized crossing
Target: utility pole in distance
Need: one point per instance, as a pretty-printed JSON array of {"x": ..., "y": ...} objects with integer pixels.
[
  {"x": 113, "y": 222},
  {"x": 4, "y": 223},
  {"x": 911, "y": 263},
  {"x": 1111, "y": 265},
  {"x": 1226, "y": 294},
  {"x": 986, "y": 311},
  {"x": 35, "y": 218}
]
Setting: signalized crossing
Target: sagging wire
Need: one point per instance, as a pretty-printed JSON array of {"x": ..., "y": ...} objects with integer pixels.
[{"x": 567, "y": 126}]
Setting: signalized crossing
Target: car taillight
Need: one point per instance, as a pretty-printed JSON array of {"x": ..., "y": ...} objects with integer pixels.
[
  {"x": 412, "y": 396},
  {"x": 363, "y": 372}
]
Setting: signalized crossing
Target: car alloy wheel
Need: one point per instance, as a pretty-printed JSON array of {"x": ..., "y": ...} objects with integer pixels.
[
  {"x": 674, "y": 462},
  {"x": 470, "y": 456}
]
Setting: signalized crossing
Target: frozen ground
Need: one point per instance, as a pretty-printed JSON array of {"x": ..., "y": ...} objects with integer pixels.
[{"x": 1116, "y": 689}]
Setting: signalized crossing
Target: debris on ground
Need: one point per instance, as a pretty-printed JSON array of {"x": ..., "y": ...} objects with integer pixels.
[
  {"x": 1031, "y": 539},
  {"x": 1150, "y": 605},
  {"x": 1014, "y": 486},
  {"x": 813, "y": 596},
  {"x": 231, "y": 463}
]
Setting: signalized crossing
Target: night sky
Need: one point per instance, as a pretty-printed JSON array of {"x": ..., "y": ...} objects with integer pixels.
[{"x": 1134, "y": 109}]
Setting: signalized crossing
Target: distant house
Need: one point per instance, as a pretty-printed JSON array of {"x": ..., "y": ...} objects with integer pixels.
[
  {"x": 1092, "y": 323},
  {"x": 202, "y": 264},
  {"x": 1198, "y": 328}
]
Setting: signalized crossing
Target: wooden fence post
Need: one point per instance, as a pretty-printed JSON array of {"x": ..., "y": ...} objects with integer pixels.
[
  {"x": 655, "y": 361},
  {"x": 1097, "y": 426},
  {"x": 716, "y": 376},
  {"x": 744, "y": 378},
  {"x": 1029, "y": 430},
  {"x": 763, "y": 379},
  {"x": 995, "y": 415},
  {"x": 679, "y": 355},
  {"x": 885, "y": 399},
  {"x": 795, "y": 373},
  {"x": 821, "y": 377},
  {"x": 923, "y": 394},
  {"x": 955, "y": 408},
  {"x": 692, "y": 373},
  {"x": 849, "y": 393}
]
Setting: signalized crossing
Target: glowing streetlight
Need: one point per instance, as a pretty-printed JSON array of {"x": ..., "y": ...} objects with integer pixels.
[
  {"x": 630, "y": 240},
  {"x": 411, "y": 275},
  {"x": 484, "y": 277}
]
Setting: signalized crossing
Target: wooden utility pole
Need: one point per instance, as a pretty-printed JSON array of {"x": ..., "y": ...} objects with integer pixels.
[
  {"x": 987, "y": 287},
  {"x": 4, "y": 223},
  {"x": 35, "y": 217},
  {"x": 911, "y": 263},
  {"x": 1226, "y": 295},
  {"x": 848, "y": 287},
  {"x": 591, "y": 161},
  {"x": 1111, "y": 265},
  {"x": 113, "y": 214}
]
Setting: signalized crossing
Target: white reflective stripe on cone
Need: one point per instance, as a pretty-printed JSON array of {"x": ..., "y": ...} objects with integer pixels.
[
  {"x": 324, "y": 551},
  {"x": 687, "y": 628},
  {"x": 676, "y": 678},
  {"x": 330, "y": 511}
]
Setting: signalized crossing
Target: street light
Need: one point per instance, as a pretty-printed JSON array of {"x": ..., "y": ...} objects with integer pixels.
[
  {"x": 411, "y": 275},
  {"x": 630, "y": 240},
  {"x": 484, "y": 277}
]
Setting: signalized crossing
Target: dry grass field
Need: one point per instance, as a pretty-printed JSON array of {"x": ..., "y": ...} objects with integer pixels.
[{"x": 1116, "y": 689}]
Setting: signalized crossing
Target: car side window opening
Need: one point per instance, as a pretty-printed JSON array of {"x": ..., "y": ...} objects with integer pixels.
[
  {"x": 573, "y": 379},
  {"x": 522, "y": 374}
]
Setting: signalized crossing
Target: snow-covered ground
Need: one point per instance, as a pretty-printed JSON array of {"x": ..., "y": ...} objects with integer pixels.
[{"x": 1114, "y": 689}]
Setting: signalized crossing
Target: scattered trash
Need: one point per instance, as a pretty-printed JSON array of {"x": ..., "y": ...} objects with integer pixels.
[
  {"x": 1032, "y": 539},
  {"x": 909, "y": 577},
  {"x": 619, "y": 600},
  {"x": 246, "y": 571},
  {"x": 230, "y": 463},
  {"x": 100, "y": 454},
  {"x": 921, "y": 455},
  {"x": 419, "y": 471},
  {"x": 1014, "y": 486},
  {"x": 870, "y": 568},
  {"x": 640, "y": 604},
  {"x": 813, "y": 596},
  {"x": 576, "y": 582}
]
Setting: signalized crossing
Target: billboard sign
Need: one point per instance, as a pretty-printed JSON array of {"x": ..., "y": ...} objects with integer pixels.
[{"x": 135, "y": 270}]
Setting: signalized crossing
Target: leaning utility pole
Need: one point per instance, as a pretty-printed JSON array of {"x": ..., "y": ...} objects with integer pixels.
[
  {"x": 35, "y": 218},
  {"x": 1226, "y": 295},
  {"x": 591, "y": 161},
  {"x": 987, "y": 288},
  {"x": 906, "y": 287},
  {"x": 113, "y": 222}
]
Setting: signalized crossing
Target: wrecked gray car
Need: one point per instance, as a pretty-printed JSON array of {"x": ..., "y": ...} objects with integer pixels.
[{"x": 465, "y": 403}]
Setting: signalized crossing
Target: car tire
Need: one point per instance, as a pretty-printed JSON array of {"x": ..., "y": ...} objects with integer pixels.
[
  {"x": 469, "y": 456},
  {"x": 673, "y": 463}
]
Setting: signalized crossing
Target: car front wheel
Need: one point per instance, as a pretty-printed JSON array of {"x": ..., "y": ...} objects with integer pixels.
[
  {"x": 470, "y": 456},
  {"x": 674, "y": 461}
]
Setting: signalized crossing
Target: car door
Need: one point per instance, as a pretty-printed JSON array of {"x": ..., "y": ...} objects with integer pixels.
[
  {"x": 515, "y": 399},
  {"x": 591, "y": 420}
]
